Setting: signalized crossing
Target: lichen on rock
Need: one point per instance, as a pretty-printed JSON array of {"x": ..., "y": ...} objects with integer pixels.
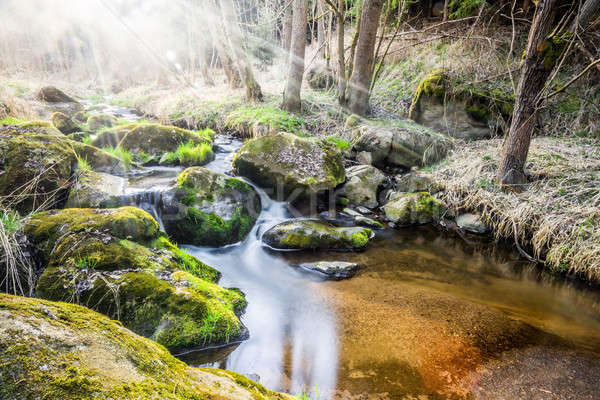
[
  {"x": 413, "y": 209},
  {"x": 289, "y": 165}
]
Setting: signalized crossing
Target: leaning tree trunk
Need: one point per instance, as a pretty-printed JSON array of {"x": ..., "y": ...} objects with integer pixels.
[
  {"x": 358, "y": 95},
  {"x": 541, "y": 54},
  {"x": 291, "y": 95},
  {"x": 253, "y": 91}
]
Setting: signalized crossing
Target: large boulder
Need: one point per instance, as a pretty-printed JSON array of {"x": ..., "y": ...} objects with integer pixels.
[
  {"x": 416, "y": 181},
  {"x": 413, "y": 209},
  {"x": 206, "y": 208},
  {"x": 462, "y": 111},
  {"x": 362, "y": 184},
  {"x": 64, "y": 123},
  {"x": 117, "y": 262},
  {"x": 35, "y": 168},
  {"x": 151, "y": 143},
  {"x": 99, "y": 121},
  {"x": 298, "y": 166},
  {"x": 96, "y": 190},
  {"x": 53, "y": 351},
  {"x": 402, "y": 145},
  {"x": 308, "y": 234}
]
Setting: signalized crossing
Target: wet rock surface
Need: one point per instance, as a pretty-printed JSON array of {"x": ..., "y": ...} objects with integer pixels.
[
  {"x": 309, "y": 234},
  {"x": 335, "y": 270},
  {"x": 361, "y": 187}
]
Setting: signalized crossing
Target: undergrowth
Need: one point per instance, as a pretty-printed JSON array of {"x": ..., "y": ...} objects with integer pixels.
[
  {"x": 189, "y": 154},
  {"x": 122, "y": 154}
]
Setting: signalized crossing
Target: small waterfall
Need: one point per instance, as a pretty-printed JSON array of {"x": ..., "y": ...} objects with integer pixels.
[{"x": 147, "y": 200}]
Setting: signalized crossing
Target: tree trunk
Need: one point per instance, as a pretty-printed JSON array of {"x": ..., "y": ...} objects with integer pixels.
[
  {"x": 358, "y": 99},
  {"x": 286, "y": 37},
  {"x": 540, "y": 59},
  {"x": 291, "y": 95},
  {"x": 242, "y": 62},
  {"x": 340, "y": 50},
  {"x": 445, "y": 16},
  {"x": 321, "y": 29}
]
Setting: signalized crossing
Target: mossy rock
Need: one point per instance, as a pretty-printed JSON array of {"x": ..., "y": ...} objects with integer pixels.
[
  {"x": 81, "y": 116},
  {"x": 150, "y": 141},
  {"x": 64, "y": 123},
  {"x": 256, "y": 121},
  {"x": 320, "y": 79},
  {"x": 78, "y": 136},
  {"x": 36, "y": 168},
  {"x": 404, "y": 145},
  {"x": 307, "y": 234},
  {"x": 299, "y": 166},
  {"x": 44, "y": 127},
  {"x": 413, "y": 209},
  {"x": 461, "y": 110},
  {"x": 96, "y": 190},
  {"x": 117, "y": 262},
  {"x": 206, "y": 208},
  {"x": 131, "y": 223},
  {"x": 52, "y": 350},
  {"x": 99, "y": 121}
]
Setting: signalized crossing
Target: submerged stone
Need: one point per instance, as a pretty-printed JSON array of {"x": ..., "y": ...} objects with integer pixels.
[
  {"x": 336, "y": 270},
  {"x": 308, "y": 234},
  {"x": 51, "y": 350},
  {"x": 286, "y": 164}
]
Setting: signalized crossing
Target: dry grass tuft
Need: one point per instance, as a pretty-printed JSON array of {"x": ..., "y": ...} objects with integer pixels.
[{"x": 557, "y": 216}]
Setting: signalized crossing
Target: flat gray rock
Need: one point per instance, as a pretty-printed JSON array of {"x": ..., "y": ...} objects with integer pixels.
[
  {"x": 336, "y": 270},
  {"x": 472, "y": 223}
]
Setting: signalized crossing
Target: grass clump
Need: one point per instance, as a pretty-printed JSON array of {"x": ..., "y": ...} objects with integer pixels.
[
  {"x": 189, "y": 154},
  {"x": 340, "y": 143},
  {"x": 15, "y": 261},
  {"x": 252, "y": 121},
  {"x": 121, "y": 153},
  {"x": 82, "y": 164}
]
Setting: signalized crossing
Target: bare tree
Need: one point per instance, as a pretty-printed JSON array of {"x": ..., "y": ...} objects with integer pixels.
[
  {"x": 286, "y": 33},
  {"x": 232, "y": 27},
  {"x": 358, "y": 94},
  {"x": 291, "y": 95},
  {"x": 217, "y": 32},
  {"x": 545, "y": 47}
]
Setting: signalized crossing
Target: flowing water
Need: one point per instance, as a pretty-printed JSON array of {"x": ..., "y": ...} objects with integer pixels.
[{"x": 427, "y": 315}]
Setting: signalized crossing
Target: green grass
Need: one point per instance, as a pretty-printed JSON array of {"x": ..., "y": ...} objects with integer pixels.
[
  {"x": 83, "y": 164},
  {"x": 190, "y": 154},
  {"x": 341, "y": 144},
  {"x": 10, "y": 121},
  {"x": 86, "y": 263},
  {"x": 11, "y": 220},
  {"x": 87, "y": 140},
  {"x": 269, "y": 115},
  {"x": 123, "y": 154}
]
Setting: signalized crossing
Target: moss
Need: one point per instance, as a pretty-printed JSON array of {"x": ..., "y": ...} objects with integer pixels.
[
  {"x": 245, "y": 119},
  {"x": 154, "y": 140},
  {"x": 414, "y": 208},
  {"x": 433, "y": 84},
  {"x": 99, "y": 121},
  {"x": 552, "y": 48},
  {"x": 211, "y": 229},
  {"x": 309, "y": 234},
  {"x": 361, "y": 239},
  {"x": 84, "y": 355}
]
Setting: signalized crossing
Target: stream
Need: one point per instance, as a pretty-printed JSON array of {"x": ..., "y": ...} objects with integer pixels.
[{"x": 424, "y": 316}]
